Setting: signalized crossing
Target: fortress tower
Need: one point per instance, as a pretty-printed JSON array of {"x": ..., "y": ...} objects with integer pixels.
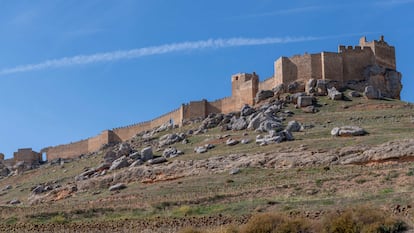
[
  {"x": 384, "y": 53},
  {"x": 244, "y": 88},
  {"x": 348, "y": 64}
]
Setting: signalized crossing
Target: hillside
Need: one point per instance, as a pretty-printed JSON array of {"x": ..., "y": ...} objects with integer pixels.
[{"x": 311, "y": 175}]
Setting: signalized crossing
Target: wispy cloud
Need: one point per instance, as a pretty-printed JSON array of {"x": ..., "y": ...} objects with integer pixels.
[{"x": 154, "y": 50}]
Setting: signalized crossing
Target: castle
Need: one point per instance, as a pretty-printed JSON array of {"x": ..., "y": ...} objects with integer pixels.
[{"x": 348, "y": 65}]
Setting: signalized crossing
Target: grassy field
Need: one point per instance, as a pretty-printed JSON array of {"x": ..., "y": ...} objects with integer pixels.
[{"x": 309, "y": 192}]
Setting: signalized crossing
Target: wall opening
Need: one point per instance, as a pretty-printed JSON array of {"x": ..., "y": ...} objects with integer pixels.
[{"x": 44, "y": 158}]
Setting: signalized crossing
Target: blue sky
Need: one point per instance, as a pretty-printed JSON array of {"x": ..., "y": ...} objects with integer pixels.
[{"x": 70, "y": 69}]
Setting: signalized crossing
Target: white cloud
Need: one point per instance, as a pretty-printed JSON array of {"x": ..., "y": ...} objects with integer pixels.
[{"x": 153, "y": 50}]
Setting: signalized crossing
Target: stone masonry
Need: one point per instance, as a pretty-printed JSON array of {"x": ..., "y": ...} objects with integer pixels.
[{"x": 349, "y": 67}]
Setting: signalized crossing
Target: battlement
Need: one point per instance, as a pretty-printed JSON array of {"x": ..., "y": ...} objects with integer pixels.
[
  {"x": 350, "y": 49},
  {"x": 244, "y": 77}
]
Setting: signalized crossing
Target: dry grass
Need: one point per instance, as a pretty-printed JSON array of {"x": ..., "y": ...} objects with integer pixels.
[{"x": 309, "y": 190}]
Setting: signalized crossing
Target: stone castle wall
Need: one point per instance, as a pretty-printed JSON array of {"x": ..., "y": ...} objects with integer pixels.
[{"x": 345, "y": 65}]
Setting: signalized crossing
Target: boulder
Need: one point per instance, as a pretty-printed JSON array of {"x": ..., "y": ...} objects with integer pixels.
[
  {"x": 310, "y": 109},
  {"x": 346, "y": 131},
  {"x": 293, "y": 126},
  {"x": 117, "y": 187},
  {"x": 14, "y": 202},
  {"x": 334, "y": 94},
  {"x": 171, "y": 152},
  {"x": 157, "y": 160},
  {"x": 304, "y": 101},
  {"x": 234, "y": 171},
  {"x": 295, "y": 87},
  {"x": 293, "y": 98},
  {"x": 200, "y": 150},
  {"x": 245, "y": 141},
  {"x": 146, "y": 153},
  {"x": 209, "y": 146},
  {"x": 255, "y": 121},
  {"x": 310, "y": 86},
  {"x": 119, "y": 163},
  {"x": 212, "y": 120},
  {"x": 124, "y": 150},
  {"x": 170, "y": 139},
  {"x": 203, "y": 149},
  {"x": 38, "y": 189},
  {"x": 103, "y": 166},
  {"x": 110, "y": 156},
  {"x": 238, "y": 123},
  {"x": 7, "y": 187},
  {"x": 264, "y": 94},
  {"x": 353, "y": 94},
  {"x": 246, "y": 110},
  {"x": 232, "y": 142},
  {"x": 135, "y": 156},
  {"x": 372, "y": 93},
  {"x": 387, "y": 81},
  {"x": 321, "y": 87},
  {"x": 268, "y": 125},
  {"x": 136, "y": 163},
  {"x": 279, "y": 89},
  {"x": 4, "y": 171},
  {"x": 286, "y": 135}
]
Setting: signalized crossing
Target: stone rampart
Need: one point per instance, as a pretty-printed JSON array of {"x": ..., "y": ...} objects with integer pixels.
[{"x": 347, "y": 64}]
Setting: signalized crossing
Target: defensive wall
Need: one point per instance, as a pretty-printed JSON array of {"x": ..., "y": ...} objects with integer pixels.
[{"x": 345, "y": 65}]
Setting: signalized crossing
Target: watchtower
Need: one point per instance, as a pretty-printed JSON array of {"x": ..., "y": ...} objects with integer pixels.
[
  {"x": 244, "y": 88},
  {"x": 383, "y": 52}
]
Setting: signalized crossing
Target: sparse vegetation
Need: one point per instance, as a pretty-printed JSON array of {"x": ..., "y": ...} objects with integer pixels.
[{"x": 283, "y": 197}]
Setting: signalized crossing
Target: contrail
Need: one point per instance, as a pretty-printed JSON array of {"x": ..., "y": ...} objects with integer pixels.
[{"x": 154, "y": 50}]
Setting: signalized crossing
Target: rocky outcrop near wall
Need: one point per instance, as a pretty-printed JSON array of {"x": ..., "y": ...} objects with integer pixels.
[{"x": 386, "y": 80}]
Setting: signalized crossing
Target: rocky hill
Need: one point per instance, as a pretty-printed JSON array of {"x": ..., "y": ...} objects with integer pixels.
[{"x": 302, "y": 156}]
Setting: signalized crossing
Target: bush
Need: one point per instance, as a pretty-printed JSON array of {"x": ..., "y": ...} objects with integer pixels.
[
  {"x": 275, "y": 223},
  {"x": 59, "y": 219},
  {"x": 363, "y": 220}
]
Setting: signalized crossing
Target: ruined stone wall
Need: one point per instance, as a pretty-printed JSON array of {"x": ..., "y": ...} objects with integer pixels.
[
  {"x": 9, "y": 162},
  {"x": 176, "y": 116},
  {"x": 127, "y": 132},
  {"x": 224, "y": 105},
  {"x": 285, "y": 71},
  {"x": 385, "y": 55},
  {"x": 316, "y": 66},
  {"x": 26, "y": 155},
  {"x": 332, "y": 67},
  {"x": 267, "y": 84},
  {"x": 72, "y": 150},
  {"x": 195, "y": 109},
  {"x": 107, "y": 136},
  {"x": 354, "y": 61},
  {"x": 303, "y": 66}
]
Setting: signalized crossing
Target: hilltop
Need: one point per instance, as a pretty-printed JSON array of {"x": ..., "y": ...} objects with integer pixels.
[
  {"x": 310, "y": 175},
  {"x": 324, "y": 145}
]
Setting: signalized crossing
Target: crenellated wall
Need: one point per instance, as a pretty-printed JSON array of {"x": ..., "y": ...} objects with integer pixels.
[
  {"x": 354, "y": 61},
  {"x": 345, "y": 65},
  {"x": 66, "y": 151}
]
